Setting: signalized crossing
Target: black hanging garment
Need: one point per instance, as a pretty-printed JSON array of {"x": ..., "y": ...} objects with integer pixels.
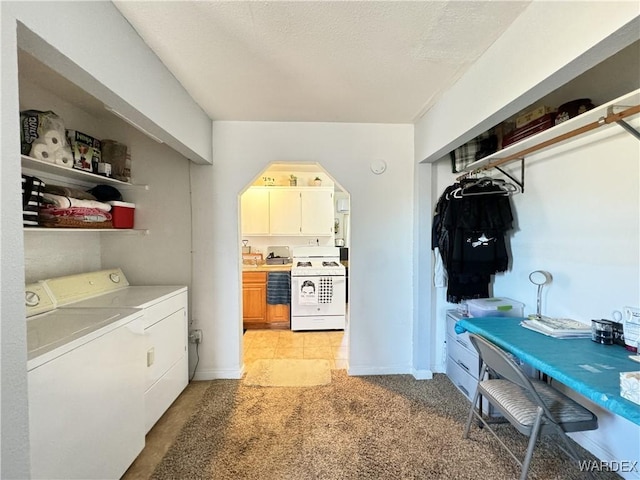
[{"x": 469, "y": 232}]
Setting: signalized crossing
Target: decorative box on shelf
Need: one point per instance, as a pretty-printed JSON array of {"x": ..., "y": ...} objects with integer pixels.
[
  {"x": 542, "y": 123},
  {"x": 630, "y": 386}
]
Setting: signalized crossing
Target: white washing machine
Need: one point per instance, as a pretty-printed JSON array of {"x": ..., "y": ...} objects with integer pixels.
[
  {"x": 86, "y": 388},
  {"x": 165, "y": 327}
]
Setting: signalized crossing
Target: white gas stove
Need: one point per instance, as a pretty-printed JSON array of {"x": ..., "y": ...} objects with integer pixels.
[
  {"x": 309, "y": 261},
  {"x": 318, "y": 289}
]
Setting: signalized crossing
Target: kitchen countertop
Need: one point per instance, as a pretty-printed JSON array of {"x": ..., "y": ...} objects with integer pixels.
[{"x": 267, "y": 268}]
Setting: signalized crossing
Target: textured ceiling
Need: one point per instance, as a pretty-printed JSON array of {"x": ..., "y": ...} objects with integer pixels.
[{"x": 323, "y": 61}]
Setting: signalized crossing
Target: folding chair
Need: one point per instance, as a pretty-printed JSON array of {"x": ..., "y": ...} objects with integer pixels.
[{"x": 533, "y": 407}]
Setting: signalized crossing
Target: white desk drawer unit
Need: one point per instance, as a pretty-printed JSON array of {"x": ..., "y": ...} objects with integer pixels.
[
  {"x": 462, "y": 360},
  {"x": 463, "y": 363}
]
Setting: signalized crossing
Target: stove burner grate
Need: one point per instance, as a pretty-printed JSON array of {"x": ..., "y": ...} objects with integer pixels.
[{"x": 329, "y": 264}]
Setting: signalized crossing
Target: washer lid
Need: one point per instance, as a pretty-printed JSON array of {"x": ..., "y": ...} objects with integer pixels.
[
  {"x": 54, "y": 333},
  {"x": 130, "y": 297}
]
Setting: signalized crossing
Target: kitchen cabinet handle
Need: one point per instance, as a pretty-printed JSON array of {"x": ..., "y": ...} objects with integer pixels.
[
  {"x": 462, "y": 343},
  {"x": 151, "y": 356},
  {"x": 466, "y": 392}
]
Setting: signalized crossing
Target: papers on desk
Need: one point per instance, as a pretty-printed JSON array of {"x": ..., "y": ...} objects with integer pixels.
[{"x": 557, "y": 327}]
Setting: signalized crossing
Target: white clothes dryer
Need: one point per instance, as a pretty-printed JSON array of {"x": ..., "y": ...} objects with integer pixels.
[{"x": 165, "y": 327}]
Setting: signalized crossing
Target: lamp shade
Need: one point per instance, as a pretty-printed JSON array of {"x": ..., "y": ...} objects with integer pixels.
[{"x": 540, "y": 278}]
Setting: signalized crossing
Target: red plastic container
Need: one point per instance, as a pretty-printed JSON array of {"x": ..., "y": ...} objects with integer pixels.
[{"x": 122, "y": 213}]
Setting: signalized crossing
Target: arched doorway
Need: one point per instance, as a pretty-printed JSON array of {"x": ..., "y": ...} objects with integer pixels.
[{"x": 270, "y": 226}]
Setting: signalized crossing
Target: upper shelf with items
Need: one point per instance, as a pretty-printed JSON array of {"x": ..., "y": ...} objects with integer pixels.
[
  {"x": 79, "y": 177},
  {"x": 612, "y": 114}
]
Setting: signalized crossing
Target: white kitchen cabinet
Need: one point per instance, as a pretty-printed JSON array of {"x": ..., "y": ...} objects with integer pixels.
[
  {"x": 287, "y": 211},
  {"x": 254, "y": 204},
  {"x": 284, "y": 212},
  {"x": 316, "y": 216}
]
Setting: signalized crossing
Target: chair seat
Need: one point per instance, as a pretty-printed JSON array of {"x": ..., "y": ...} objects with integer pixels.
[{"x": 518, "y": 403}]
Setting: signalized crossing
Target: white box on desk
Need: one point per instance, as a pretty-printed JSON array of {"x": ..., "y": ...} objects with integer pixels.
[
  {"x": 495, "y": 307},
  {"x": 630, "y": 386}
]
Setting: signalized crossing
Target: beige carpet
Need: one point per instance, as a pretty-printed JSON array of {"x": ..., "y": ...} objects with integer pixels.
[
  {"x": 288, "y": 373},
  {"x": 376, "y": 427}
]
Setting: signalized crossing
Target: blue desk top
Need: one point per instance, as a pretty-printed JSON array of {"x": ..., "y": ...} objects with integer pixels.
[{"x": 589, "y": 368}]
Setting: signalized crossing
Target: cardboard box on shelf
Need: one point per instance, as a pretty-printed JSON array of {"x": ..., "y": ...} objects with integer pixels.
[
  {"x": 531, "y": 115},
  {"x": 542, "y": 123},
  {"x": 85, "y": 150}
]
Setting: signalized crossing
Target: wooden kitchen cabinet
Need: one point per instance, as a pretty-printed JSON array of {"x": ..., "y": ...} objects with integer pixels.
[
  {"x": 278, "y": 316},
  {"x": 254, "y": 299},
  {"x": 256, "y": 313}
]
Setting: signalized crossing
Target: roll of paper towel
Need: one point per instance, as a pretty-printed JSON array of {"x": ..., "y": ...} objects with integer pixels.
[
  {"x": 43, "y": 152},
  {"x": 63, "y": 158},
  {"x": 53, "y": 139}
]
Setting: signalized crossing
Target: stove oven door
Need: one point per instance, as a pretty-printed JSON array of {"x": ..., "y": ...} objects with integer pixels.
[{"x": 318, "y": 295}]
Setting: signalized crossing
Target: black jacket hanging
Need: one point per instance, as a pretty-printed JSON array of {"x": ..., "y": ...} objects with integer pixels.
[{"x": 469, "y": 231}]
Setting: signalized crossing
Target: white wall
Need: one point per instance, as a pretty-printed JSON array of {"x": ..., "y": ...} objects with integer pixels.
[
  {"x": 381, "y": 254},
  {"x": 546, "y": 46},
  {"x": 14, "y": 426},
  {"x": 123, "y": 73},
  {"x": 494, "y": 88},
  {"x": 116, "y": 66},
  {"x": 579, "y": 218}
]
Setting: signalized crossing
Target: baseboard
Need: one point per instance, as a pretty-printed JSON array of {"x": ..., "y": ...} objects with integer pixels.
[
  {"x": 219, "y": 374},
  {"x": 357, "y": 371},
  {"x": 422, "y": 374}
]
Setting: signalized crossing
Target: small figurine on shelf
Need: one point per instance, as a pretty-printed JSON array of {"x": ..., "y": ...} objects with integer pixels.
[
  {"x": 317, "y": 181},
  {"x": 293, "y": 180}
]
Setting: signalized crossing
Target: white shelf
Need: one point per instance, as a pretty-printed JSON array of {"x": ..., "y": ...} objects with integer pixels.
[
  {"x": 74, "y": 174},
  {"x": 129, "y": 231},
  {"x": 593, "y": 115}
]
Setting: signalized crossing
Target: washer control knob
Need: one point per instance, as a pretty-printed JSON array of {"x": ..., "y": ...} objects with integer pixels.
[
  {"x": 114, "y": 277},
  {"x": 31, "y": 299}
]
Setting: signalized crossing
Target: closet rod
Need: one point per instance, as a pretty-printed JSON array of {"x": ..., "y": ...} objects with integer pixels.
[{"x": 610, "y": 118}]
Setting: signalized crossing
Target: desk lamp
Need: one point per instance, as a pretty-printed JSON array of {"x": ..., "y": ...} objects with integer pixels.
[{"x": 540, "y": 278}]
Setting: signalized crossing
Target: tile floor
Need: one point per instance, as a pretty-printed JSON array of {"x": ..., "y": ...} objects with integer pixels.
[{"x": 329, "y": 345}]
